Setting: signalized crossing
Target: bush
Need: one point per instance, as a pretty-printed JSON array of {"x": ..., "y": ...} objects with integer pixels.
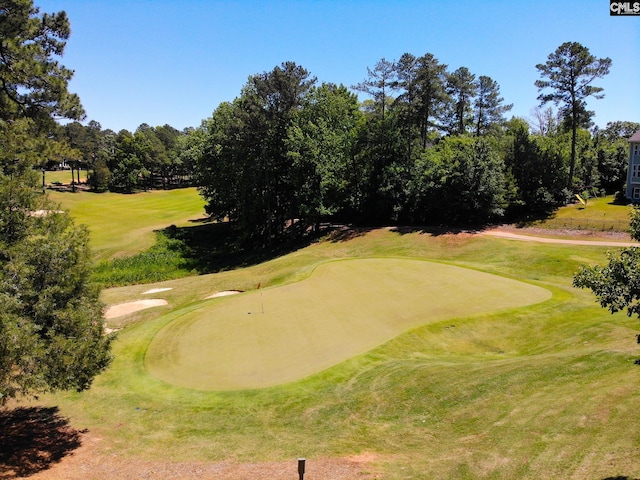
[{"x": 164, "y": 261}]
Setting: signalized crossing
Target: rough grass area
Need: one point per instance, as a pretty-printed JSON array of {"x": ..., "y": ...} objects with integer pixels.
[
  {"x": 542, "y": 391},
  {"x": 163, "y": 261}
]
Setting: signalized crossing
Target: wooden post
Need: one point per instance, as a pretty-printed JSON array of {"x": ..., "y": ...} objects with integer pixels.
[{"x": 301, "y": 462}]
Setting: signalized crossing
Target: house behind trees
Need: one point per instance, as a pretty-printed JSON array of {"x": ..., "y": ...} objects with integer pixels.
[{"x": 633, "y": 173}]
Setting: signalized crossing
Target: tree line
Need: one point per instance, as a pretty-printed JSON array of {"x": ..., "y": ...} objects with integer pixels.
[
  {"x": 150, "y": 157},
  {"x": 428, "y": 146}
]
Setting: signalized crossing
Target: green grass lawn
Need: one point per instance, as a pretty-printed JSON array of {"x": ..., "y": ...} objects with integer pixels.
[
  {"x": 346, "y": 308},
  {"x": 545, "y": 390},
  {"x": 123, "y": 225},
  {"x": 63, "y": 176},
  {"x": 599, "y": 213}
]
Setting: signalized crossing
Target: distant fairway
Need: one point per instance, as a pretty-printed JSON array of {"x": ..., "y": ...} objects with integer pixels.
[
  {"x": 123, "y": 225},
  {"x": 344, "y": 309}
]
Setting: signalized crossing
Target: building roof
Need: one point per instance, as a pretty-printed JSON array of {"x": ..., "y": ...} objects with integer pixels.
[{"x": 635, "y": 137}]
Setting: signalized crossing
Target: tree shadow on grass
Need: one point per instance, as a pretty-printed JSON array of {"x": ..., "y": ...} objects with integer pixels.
[
  {"x": 32, "y": 439},
  {"x": 209, "y": 247},
  {"x": 437, "y": 230},
  {"x": 344, "y": 233}
]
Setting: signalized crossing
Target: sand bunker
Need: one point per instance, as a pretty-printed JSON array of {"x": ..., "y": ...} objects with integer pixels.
[
  {"x": 130, "y": 307},
  {"x": 156, "y": 290},
  {"x": 43, "y": 213},
  {"x": 223, "y": 294}
]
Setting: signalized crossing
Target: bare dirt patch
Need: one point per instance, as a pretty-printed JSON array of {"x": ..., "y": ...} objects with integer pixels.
[
  {"x": 121, "y": 309},
  {"x": 586, "y": 238},
  {"x": 32, "y": 439},
  {"x": 157, "y": 290},
  {"x": 224, "y": 293},
  {"x": 89, "y": 462}
]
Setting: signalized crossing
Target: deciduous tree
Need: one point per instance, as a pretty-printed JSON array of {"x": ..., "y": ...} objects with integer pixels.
[
  {"x": 617, "y": 284},
  {"x": 320, "y": 144},
  {"x": 543, "y": 122},
  {"x": 537, "y": 166},
  {"x": 245, "y": 171},
  {"x": 461, "y": 180}
]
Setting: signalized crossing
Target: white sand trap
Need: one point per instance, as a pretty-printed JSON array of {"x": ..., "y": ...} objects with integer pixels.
[
  {"x": 223, "y": 294},
  {"x": 130, "y": 307},
  {"x": 43, "y": 213},
  {"x": 156, "y": 290}
]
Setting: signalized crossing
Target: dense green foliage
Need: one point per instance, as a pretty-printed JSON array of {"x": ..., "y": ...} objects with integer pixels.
[
  {"x": 245, "y": 173},
  {"x": 150, "y": 157},
  {"x": 617, "y": 284},
  {"x": 460, "y": 180},
  {"x": 165, "y": 260},
  {"x": 288, "y": 154},
  {"x": 51, "y": 327},
  {"x": 428, "y": 147}
]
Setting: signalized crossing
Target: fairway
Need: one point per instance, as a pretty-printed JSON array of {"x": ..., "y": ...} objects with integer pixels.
[
  {"x": 345, "y": 308},
  {"x": 122, "y": 225}
]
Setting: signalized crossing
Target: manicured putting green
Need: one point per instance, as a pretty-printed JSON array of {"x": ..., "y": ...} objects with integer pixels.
[{"x": 345, "y": 308}]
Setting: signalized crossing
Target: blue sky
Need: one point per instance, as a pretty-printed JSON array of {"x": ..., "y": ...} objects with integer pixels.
[{"x": 173, "y": 62}]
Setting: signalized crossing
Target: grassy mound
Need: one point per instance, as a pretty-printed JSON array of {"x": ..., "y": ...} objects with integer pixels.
[{"x": 344, "y": 309}]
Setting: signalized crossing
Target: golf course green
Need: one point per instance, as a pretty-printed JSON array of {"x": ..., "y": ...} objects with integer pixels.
[
  {"x": 276, "y": 335},
  {"x": 430, "y": 355}
]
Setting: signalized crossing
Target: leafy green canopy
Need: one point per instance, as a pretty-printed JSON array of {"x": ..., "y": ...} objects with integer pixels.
[
  {"x": 51, "y": 327},
  {"x": 617, "y": 284}
]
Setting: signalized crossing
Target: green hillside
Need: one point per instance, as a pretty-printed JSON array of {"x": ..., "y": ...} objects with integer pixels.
[{"x": 540, "y": 391}]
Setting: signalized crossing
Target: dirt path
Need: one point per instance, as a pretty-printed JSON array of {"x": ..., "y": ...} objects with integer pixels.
[
  {"x": 90, "y": 462},
  {"x": 526, "y": 237}
]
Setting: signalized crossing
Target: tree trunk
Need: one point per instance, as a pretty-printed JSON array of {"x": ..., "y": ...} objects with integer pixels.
[
  {"x": 574, "y": 130},
  {"x": 73, "y": 181}
]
